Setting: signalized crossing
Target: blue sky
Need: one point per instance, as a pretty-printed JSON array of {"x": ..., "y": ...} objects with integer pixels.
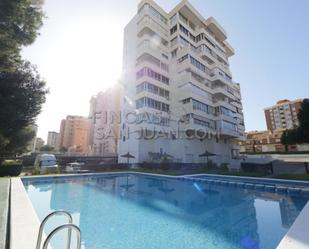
[{"x": 74, "y": 55}]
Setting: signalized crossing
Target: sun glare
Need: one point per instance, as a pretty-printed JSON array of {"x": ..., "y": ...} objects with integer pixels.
[{"x": 83, "y": 58}]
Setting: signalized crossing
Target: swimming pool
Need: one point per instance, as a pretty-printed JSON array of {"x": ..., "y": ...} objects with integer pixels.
[{"x": 137, "y": 211}]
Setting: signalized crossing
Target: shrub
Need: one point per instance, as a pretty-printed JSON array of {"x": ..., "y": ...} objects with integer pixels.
[
  {"x": 11, "y": 162},
  {"x": 164, "y": 166},
  {"x": 224, "y": 166},
  {"x": 11, "y": 167}
]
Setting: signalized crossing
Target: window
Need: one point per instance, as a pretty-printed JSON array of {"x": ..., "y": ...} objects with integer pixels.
[
  {"x": 184, "y": 30},
  {"x": 192, "y": 37},
  {"x": 229, "y": 126},
  {"x": 185, "y": 101},
  {"x": 183, "y": 18},
  {"x": 199, "y": 65},
  {"x": 153, "y": 60},
  {"x": 227, "y": 112},
  {"x": 174, "y": 41},
  {"x": 209, "y": 41},
  {"x": 173, "y": 18},
  {"x": 140, "y": 88},
  {"x": 201, "y": 122},
  {"x": 204, "y": 48},
  {"x": 174, "y": 53},
  {"x": 150, "y": 118},
  {"x": 164, "y": 66},
  {"x": 157, "y": 14},
  {"x": 199, "y": 91},
  {"x": 199, "y": 37},
  {"x": 140, "y": 103},
  {"x": 197, "y": 105},
  {"x": 184, "y": 42},
  {"x": 145, "y": 6},
  {"x": 146, "y": 71},
  {"x": 151, "y": 103},
  {"x": 164, "y": 56},
  {"x": 174, "y": 29},
  {"x": 183, "y": 58}
]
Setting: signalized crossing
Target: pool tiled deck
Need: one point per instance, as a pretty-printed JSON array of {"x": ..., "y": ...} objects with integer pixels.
[
  {"x": 4, "y": 211},
  {"x": 24, "y": 220}
]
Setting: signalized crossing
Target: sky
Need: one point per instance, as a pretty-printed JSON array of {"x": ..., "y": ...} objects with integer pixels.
[{"x": 79, "y": 52}]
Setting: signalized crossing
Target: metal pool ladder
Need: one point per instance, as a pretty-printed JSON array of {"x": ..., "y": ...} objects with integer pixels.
[{"x": 68, "y": 226}]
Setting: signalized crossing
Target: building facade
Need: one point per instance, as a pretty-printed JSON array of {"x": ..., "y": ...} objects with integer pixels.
[
  {"x": 179, "y": 99},
  {"x": 104, "y": 116},
  {"x": 52, "y": 139},
  {"x": 283, "y": 115},
  {"x": 74, "y": 134}
]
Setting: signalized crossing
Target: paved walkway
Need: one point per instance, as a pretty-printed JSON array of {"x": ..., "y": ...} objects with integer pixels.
[{"x": 4, "y": 211}]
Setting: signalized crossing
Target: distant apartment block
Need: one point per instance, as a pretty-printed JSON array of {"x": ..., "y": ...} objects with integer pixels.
[
  {"x": 52, "y": 139},
  {"x": 104, "y": 116},
  {"x": 74, "y": 134},
  {"x": 283, "y": 115},
  {"x": 176, "y": 76}
]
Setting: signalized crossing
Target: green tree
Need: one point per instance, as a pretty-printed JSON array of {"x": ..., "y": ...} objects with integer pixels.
[
  {"x": 63, "y": 149},
  {"x": 303, "y": 115},
  {"x": 22, "y": 91},
  {"x": 300, "y": 134},
  {"x": 284, "y": 140},
  {"x": 20, "y": 21},
  {"x": 47, "y": 148}
]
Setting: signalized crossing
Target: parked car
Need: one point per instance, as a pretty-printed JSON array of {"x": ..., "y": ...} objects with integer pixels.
[
  {"x": 74, "y": 167},
  {"x": 46, "y": 162}
]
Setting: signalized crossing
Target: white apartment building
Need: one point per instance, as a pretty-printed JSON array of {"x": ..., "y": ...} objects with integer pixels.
[
  {"x": 52, "y": 139},
  {"x": 104, "y": 116},
  {"x": 178, "y": 88}
]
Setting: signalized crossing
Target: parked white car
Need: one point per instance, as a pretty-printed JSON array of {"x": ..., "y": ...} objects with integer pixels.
[{"x": 46, "y": 162}]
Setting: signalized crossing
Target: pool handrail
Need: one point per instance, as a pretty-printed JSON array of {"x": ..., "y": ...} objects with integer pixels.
[
  {"x": 59, "y": 228},
  {"x": 57, "y": 212}
]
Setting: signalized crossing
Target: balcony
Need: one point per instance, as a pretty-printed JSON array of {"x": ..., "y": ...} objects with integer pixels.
[
  {"x": 229, "y": 50},
  {"x": 147, "y": 24},
  {"x": 216, "y": 29},
  {"x": 146, "y": 47},
  {"x": 226, "y": 132},
  {"x": 237, "y": 104},
  {"x": 222, "y": 91},
  {"x": 217, "y": 76},
  {"x": 154, "y": 66},
  {"x": 207, "y": 55},
  {"x": 225, "y": 103}
]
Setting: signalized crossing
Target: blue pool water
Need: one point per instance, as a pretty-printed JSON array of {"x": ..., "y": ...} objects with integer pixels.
[{"x": 132, "y": 211}]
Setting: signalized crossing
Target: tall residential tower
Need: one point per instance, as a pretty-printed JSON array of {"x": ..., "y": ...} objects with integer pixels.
[
  {"x": 177, "y": 85},
  {"x": 283, "y": 115}
]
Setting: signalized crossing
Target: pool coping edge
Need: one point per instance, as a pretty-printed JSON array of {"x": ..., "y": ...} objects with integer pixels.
[{"x": 24, "y": 219}]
